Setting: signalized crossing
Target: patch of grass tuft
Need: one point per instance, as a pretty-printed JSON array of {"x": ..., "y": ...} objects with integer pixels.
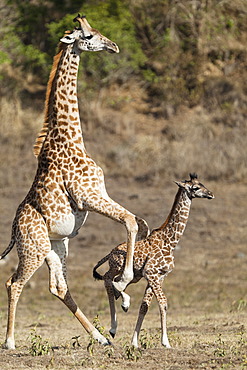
[{"x": 39, "y": 346}]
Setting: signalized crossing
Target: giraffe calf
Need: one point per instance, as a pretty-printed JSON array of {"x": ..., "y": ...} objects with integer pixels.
[{"x": 153, "y": 259}]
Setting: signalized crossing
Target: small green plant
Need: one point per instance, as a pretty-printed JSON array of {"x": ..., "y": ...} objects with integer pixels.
[
  {"x": 220, "y": 351},
  {"x": 75, "y": 342},
  {"x": 132, "y": 353},
  {"x": 244, "y": 361},
  {"x": 175, "y": 339},
  {"x": 67, "y": 348},
  {"x": 39, "y": 346},
  {"x": 91, "y": 346},
  {"x": 92, "y": 341},
  {"x": 239, "y": 305},
  {"x": 109, "y": 351},
  {"x": 98, "y": 326},
  {"x": 242, "y": 340},
  {"x": 147, "y": 340}
]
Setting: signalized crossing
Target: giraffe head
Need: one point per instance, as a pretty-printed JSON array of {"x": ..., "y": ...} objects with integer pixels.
[
  {"x": 86, "y": 38},
  {"x": 194, "y": 188}
]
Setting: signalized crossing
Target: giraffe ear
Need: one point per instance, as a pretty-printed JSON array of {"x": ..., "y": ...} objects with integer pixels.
[
  {"x": 68, "y": 39},
  {"x": 183, "y": 184},
  {"x": 180, "y": 184}
]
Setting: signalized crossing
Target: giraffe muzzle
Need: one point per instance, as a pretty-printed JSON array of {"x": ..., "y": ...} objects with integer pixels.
[
  {"x": 111, "y": 47},
  {"x": 210, "y": 195}
]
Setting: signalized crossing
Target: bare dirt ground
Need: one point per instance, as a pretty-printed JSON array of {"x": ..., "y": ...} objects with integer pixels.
[{"x": 207, "y": 291}]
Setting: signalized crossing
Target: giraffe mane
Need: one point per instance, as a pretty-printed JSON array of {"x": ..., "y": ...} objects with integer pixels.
[
  {"x": 171, "y": 211},
  {"x": 48, "y": 103}
]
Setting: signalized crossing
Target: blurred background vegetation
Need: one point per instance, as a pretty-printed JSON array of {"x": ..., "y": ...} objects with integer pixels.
[{"x": 173, "y": 100}]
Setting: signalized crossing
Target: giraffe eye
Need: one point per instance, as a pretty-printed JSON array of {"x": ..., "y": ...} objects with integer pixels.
[
  {"x": 89, "y": 37},
  {"x": 195, "y": 188}
]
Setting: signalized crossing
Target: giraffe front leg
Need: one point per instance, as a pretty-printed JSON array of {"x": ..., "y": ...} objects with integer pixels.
[
  {"x": 116, "y": 212},
  {"x": 146, "y": 301},
  {"x": 125, "y": 301},
  {"x": 121, "y": 282},
  {"x": 155, "y": 283}
]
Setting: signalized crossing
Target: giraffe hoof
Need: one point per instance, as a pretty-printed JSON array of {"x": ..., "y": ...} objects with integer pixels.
[
  {"x": 112, "y": 334},
  {"x": 108, "y": 343},
  {"x": 9, "y": 344},
  {"x": 166, "y": 345},
  {"x": 125, "y": 308}
]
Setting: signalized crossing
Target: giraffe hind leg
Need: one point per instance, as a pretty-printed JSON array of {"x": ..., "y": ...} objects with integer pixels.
[
  {"x": 33, "y": 245},
  {"x": 58, "y": 287},
  {"x": 155, "y": 283},
  {"x": 110, "y": 293},
  {"x": 14, "y": 285}
]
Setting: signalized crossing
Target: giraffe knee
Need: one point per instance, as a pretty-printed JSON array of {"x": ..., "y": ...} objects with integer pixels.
[
  {"x": 164, "y": 305},
  {"x": 144, "y": 308},
  {"x": 10, "y": 281},
  {"x": 131, "y": 224},
  {"x": 58, "y": 291}
]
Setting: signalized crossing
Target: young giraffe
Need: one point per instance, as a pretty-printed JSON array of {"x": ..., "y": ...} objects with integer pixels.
[
  {"x": 153, "y": 258},
  {"x": 67, "y": 185}
]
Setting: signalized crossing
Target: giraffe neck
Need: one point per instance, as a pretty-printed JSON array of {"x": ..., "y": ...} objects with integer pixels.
[
  {"x": 62, "y": 103},
  {"x": 174, "y": 226},
  {"x": 62, "y": 120}
]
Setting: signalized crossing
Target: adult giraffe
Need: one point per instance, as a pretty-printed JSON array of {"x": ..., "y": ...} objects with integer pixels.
[{"x": 67, "y": 185}]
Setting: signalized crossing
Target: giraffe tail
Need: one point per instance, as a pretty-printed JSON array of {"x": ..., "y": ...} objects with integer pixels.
[
  {"x": 8, "y": 249},
  {"x": 96, "y": 275},
  {"x": 143, "y": 229}
]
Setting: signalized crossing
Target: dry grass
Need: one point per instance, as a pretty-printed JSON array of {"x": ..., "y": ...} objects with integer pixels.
[
  {"x": 140, "y": 146},
  {"x": 17, "y": 134},
  {"x": 133, "y": 144}
]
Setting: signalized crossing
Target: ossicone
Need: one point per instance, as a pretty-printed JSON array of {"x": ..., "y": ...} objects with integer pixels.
[
  {"x": 193, "y": 176},
  {"x": 76, "y": 19}
]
